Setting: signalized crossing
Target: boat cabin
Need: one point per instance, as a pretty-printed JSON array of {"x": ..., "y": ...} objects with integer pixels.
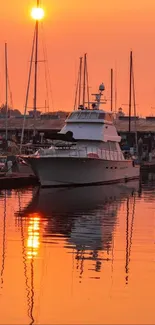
[{"x": 91, "y": 125}]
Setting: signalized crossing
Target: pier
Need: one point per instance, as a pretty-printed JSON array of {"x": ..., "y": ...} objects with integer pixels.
[
  {"x": 16, "y": 180},
  {"x": 53, "y": 123}
]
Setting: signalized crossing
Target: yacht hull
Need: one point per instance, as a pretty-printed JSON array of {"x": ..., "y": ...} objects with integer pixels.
[{"x": 67, "y": 171}]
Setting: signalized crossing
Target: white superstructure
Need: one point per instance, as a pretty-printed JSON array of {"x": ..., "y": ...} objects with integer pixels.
[{"x": 89, "y": 153}]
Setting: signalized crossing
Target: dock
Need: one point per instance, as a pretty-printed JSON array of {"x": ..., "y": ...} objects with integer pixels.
[
  {"x": 148, "y": 166},
  {"x": 17, "y": 180}
]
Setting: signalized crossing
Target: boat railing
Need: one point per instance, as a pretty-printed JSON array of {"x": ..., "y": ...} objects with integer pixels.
[
  {"x": 83, "y": 152},
  {"x": 32, "y": 148}
]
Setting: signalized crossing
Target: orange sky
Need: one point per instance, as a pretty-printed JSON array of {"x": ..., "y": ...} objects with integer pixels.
[{"x": 107, "y": 31}]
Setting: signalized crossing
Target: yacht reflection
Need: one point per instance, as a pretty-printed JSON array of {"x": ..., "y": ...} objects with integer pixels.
[{"x": 84, "y": 216}]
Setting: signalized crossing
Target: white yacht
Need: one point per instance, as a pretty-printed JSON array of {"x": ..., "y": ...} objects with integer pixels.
[{"x": 89, "y": 153}]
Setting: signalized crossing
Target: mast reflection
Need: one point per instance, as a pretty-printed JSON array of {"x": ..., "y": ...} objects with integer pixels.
[
  {"x": 30, "y": 247},
  {"x": 129, "y": 232},
  {"x": 3, "y": 242}
]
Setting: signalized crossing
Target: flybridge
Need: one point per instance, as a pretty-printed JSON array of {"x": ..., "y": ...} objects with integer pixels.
[{"x": 87, "y": 116}]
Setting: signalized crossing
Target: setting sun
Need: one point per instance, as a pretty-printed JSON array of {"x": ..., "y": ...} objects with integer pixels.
[{"x": 37, "y": 13}]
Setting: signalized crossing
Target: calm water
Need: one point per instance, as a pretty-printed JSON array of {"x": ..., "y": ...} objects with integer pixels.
[{"x": 78, "y": 256}]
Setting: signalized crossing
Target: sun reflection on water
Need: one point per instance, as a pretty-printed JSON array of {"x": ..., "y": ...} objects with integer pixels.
[{"x": 33, "y": 240}]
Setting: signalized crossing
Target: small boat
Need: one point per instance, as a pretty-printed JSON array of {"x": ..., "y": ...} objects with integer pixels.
[{"x": 89, "y": 154}]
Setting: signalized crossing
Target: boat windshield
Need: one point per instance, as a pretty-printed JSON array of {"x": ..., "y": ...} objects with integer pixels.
[{"x": 84, "y": 115}]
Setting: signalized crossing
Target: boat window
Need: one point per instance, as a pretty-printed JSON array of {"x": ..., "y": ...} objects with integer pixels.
[
  {"x": 84, "y": 115},
  {"x": 109, "y": 145},
  {"x": 94, "y": 115},
  {"x": 101, "y": 116},
  {"x": 112, "y": 145},
  {"x": 74, "y": 115},
  {"x": 105, "y": 146}
]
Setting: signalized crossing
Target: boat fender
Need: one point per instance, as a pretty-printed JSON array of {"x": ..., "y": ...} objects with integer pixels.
[{"x": 133, "y": 163}]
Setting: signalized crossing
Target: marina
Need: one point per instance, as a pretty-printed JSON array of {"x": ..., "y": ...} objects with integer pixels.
[
  {"x": 77, "y": 163},
  {"x": 16, "y": 180}
]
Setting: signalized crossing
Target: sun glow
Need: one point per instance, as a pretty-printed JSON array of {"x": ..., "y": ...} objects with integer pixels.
[{"x": 37, "y": 13}]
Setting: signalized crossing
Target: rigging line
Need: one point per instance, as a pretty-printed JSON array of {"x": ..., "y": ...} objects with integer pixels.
[{"x": 48, "y": 72}]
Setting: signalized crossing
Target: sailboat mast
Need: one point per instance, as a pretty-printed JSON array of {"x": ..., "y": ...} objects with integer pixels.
[
  {"x": 80, "y": 77},
  {"x": 134, "y": 104},
  {"x": 115, "y": 86},
  {"x": 27, "y": 92},
  {"x": 87, "y": 84},
  {"x": 130, "y": 91},
  {"x": 6, "y": 93},
  {"x": 111, "y": 81},
  {"x": 84, "y": 79},
  {"x": 77, "y": 88},
  {"x": 36, "y": 62}
]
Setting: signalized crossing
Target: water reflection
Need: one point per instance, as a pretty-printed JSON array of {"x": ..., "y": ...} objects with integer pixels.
[
  {"x": 3, "y": 240},
  {"x": 33, "y": 240},
  {"x": 85, "y": 217},
  {"x": 81, "y": 248},
  {"x": 129, "y": 234},
  {"x": 30, "y": 245},
  {"x": 27, "y": 253}
]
